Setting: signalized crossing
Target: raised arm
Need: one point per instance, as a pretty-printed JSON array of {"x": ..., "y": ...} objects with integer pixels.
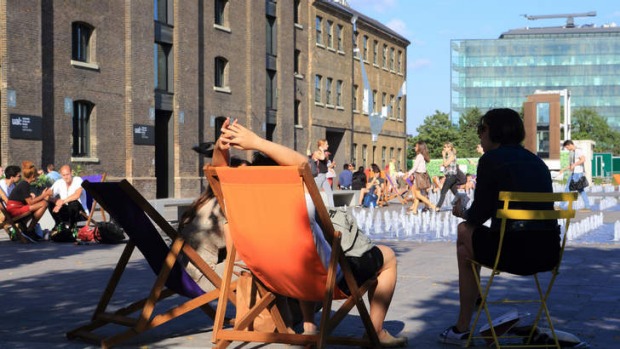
[{"x": 239, "y": 137}]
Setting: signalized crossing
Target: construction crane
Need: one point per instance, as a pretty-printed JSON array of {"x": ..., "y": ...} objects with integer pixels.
[{"x": 570, "y": 17}]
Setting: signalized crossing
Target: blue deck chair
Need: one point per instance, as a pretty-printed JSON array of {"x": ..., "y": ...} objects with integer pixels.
[{"x": 135, "y": 215}]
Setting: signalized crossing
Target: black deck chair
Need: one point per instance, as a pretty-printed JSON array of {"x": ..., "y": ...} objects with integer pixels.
[{"x": 135, "y": 215}]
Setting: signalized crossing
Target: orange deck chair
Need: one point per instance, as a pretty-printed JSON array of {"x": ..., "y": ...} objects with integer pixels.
[
  {"x": 394, "y": 192},
  {"x": 269, "y": 226}
]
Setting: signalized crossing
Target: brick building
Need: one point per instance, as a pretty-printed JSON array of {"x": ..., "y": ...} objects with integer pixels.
[{"x": 128, "y": 87}]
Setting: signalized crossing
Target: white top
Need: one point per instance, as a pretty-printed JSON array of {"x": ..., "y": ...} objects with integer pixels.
[
  {"x": 59, "y": 188},
  {"x": 577, "y": 154},
  {"x": 419, "y": 165},
  {"x": 7, "y": 189}
]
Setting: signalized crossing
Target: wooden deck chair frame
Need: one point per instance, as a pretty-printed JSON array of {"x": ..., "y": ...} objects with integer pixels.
[
  {"x": 506, "y": 213},
  {"x": 89, "y": 216},
  {"x": 147, "y": 317},
  {"x": 218, "y": 178},
  {"x": 18, "y": 223},
  {"x": 394, "y": 192}
]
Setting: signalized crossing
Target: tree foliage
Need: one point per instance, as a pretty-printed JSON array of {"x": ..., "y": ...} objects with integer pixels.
[
  {"x": 588, "y": 124},
  {"x": 435, "y": 131},
  {"x": 467, "y": 139}
]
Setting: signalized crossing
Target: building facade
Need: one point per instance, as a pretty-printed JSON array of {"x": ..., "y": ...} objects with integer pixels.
[
  {"x": 129, "y": 87},
  {"x": 585, "y": 60}
]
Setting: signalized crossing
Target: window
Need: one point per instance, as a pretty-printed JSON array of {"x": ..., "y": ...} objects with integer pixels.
[
  {"x": 391, "y": 114},
  {"x": 163, "y": 11},
  {"x": 384, "y": 56},
  {"x": 296, "y": 63},
  {"x": 339, "y": 93},
  {"x": 374, "y": 101},
  {"x": 317, "y": 88},
  {"x": 398, "y": 108},
  {"x": 272, "y": 37},
  {"x": 364, "y": 154},
  {"x": 81, "y": 33},
  {"x": 221, "y": 12},
  {"x": 328, "y": 91},
  {"x": 81, "y": 128},
  {"x": 163, "y": 67},
  {"x": 329, "y": 27},
  {"x": 297, "y": 112},
  {"x": 383, "y": 98},
  {"x": 400, "y": 61},
  {"x": 375, "y": 50},
  {"x": 355, "y": 88},
  {"x": 383, "y": 152},
  {"x": 392, "y": 58},
  {"x": 296, "y": 11},
  {"x": 319, "y": 30},
  {"x": 221, "y": 72},
  {"x": 354, "y": 155},
  {"x": 339, "y": 33},
  {"x": 272, "y": 90},
  {"x": 365, "y": 47}
]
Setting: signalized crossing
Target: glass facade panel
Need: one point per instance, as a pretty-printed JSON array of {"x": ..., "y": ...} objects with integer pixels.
[{"x": 503, "y": 72}]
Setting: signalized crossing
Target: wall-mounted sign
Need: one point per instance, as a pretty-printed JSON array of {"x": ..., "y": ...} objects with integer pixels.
[
  {"x": 26, "y": 127},
  {"x": 143, "y": 134}
]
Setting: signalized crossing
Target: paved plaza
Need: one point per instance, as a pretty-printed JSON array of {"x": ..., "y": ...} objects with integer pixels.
[{"x": 49, "y": 288}]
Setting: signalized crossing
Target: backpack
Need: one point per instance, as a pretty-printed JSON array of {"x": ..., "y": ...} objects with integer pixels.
[
  {"x": 314, "y": 168},
  {"x": 354, "y": 242}
]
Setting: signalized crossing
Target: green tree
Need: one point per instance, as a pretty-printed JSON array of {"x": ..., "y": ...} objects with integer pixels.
[
  {"x": 467, "y": 138},
  {"x": 588, "y": 124},
  {"x": 435, "y": 131}
]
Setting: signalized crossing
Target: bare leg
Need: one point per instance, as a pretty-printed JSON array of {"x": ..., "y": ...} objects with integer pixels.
[
  {"x": 381, "y": 296},
  {"x": 38, "y": 210},
  {"x": 307, "y": 313},
  {"x": 468, "y": 291}
]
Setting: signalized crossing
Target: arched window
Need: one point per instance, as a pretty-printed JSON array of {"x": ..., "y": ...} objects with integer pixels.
[
  {"x": 81, "y": 37},
  {"x": 221, "y": 72}
]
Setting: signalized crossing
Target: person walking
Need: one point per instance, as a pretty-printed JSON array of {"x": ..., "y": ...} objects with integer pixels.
[
  {"x": 419, "y": 180},
  {"x": 576, "y": 160},
  {"x": 448, "y": 154}
]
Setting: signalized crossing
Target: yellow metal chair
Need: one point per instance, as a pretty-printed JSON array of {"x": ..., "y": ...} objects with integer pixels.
[{"x": 509, "y": 213}]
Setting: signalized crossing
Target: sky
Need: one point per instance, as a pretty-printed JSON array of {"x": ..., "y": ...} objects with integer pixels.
[{"x": 430, "y": 25}]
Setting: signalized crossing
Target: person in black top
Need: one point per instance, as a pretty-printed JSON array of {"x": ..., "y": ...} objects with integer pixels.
[
  {"x": 505, "y": 166},
  {"x": 359, "y": 179}
]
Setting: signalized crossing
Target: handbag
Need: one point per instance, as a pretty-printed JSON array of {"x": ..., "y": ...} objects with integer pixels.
[
  {"x": 578, "y": 185},
  {"x": 422, "y": 180}
]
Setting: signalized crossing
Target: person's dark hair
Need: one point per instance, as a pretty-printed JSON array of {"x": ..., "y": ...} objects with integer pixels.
[
  {"x": 505, "y": 126},
  {"x": 423, "y": 149},
  {"x": 11, "y": 171},
  {"x": 360, "y": 169},
  {"x": 375, "y": 168},
  {"x": 566, "y": 142},
  {"x": 345, "y": 166}
]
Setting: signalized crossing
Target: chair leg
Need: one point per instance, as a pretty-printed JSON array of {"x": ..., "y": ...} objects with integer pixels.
[{"x": 484, "y": 293}]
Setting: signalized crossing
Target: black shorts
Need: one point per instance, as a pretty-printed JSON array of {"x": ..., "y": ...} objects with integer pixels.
[
  {"x": 524, "y": 252},
  {"x": 364, "y": 267}
]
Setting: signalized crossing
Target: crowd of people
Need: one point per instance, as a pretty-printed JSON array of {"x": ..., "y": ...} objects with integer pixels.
[
  {"x": 504, "y": 165},
  {"x": 26, "y": 189}
]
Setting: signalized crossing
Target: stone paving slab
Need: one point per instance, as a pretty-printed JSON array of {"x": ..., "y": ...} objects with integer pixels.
[{"x": 49, "y": 288}]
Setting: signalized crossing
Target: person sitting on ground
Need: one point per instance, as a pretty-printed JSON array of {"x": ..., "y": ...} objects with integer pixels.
[
  {"x": 379, "y": 261},
  {"x": 345, "y": 178},
  {"x": 374, "y": 186},
  {"x": 505, "y": 166},
  {"x": 52, "y": 174},
  {"x": 68, "y": 199},
  {"x": 22, "y": 200},
  {"x": 359, "y": 178},
  {"x": 7, "y": 184}
]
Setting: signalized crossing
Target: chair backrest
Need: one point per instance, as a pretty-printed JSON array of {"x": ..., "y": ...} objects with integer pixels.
[
  {"x": 270, "y": 228},
  {"x": 129, "y": 209},
  {"x": 510, "y": 212},
  {"x": 96, "y": 178}
]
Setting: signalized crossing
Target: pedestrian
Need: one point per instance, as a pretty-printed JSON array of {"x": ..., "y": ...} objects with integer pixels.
[{"x": 577, "y": 158}]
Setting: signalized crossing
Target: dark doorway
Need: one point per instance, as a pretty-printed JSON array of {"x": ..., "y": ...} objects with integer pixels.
[
  {"x": 334, "y": 138},
  {"x": 163, "y": 154}
]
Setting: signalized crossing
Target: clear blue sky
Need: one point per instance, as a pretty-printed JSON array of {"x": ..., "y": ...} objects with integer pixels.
[{"x": 430, "y": 25}]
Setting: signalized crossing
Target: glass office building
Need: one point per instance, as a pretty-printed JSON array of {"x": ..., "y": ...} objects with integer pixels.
[{"x": 503, "y": 72}]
